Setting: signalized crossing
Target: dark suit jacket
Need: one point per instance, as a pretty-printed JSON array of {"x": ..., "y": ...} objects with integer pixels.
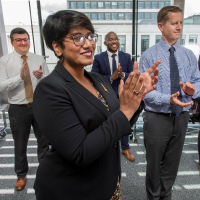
[
  {"x": 101, "y": 65},
  {"x": 84, "y": 161}
]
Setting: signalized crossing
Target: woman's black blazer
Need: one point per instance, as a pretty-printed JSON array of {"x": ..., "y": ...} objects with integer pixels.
[{"x": 84, "y": 161}]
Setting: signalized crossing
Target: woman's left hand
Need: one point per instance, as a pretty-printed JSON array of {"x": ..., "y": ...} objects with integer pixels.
[{"x": 150, "y": 79}]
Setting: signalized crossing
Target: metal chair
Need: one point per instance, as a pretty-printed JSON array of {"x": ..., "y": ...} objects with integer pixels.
[{"x": 3, "y": 132}]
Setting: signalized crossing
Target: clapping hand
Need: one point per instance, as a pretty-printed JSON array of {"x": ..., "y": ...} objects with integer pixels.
[
  {"x": 38, "y": 73},
  {"x": 120, "y": 71},
  {"x": 175, "y": 101},
  {"x": 150, "y": 76},
  {"x": 23, "y": 71},
  {"x": 188, "y": 88},
  {"x": 130, "y": 94}
]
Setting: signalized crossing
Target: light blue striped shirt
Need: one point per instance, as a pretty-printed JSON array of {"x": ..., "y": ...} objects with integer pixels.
[{"x": 159, "y": 99}]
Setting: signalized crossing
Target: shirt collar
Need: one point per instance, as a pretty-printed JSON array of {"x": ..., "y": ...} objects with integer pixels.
[
  {"x": 18, "y": 55},
  {"x": 166, "y": 46},
  {"x": 110, "y": 54}
]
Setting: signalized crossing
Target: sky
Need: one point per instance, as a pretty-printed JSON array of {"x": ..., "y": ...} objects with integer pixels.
[
  {"x": 191, "y": 7},
  {"x": 16, "y": 12}
]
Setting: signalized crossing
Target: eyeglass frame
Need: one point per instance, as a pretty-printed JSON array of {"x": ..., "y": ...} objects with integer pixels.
[
  {"x": 112, "y": 40},
  {"x": 86, "y": 37},
  {"x": 20, "y": 40}
]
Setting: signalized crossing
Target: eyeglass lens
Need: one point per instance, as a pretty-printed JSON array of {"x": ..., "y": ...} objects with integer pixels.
[
  {"x": 112, "y": 40},
  {"x": 20, "y": 40},
  {"x": 80, "y": 39}
]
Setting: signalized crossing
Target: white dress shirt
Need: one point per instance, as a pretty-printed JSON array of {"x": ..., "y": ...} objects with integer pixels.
[
  {"x": 10, "y": 80},
  {"x": 110, "y": 58}
]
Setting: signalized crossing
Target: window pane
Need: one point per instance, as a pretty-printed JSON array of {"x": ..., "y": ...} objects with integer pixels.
[
  {"x": 153, "y": 15},
  {"x": 183, "y": 39},
  {"x": 73, "y": 5},
  {"x": 114, "y": 16},
  {"x": 87, "y": 4},
  {"x": 196, "y": 19},
  {"x": 114, "y": 4},
  {"x": 80, "y": 5},
  {"x": 158, "y": 37},
  {"x": 121, "y": 5},
  {"x": 93, "y": 4},
  {"x": 87, "y": 14},
  {"x": 167, "y": 3},
  {"x": 147, "y": 16},
  {"x": 161, "y": 4},
  {"x": 127, "y": 4},
  {"x": 100, "y": 16},
  {"x": 147, "y": 4},
  {"x": 121, "y": 16},
  {"x": 107, "y": 16},
  {"x": 127, "y": 16},
  {"x": 140, "y": 5},
  {"x": 99, "y": 45},
  {"x": 193, "y": 39},
  {"x": 144, "y": 43},
  {"x": 94, "y": 16},
  {"x": 100, "y": 4},
  {"x": 122, "y": 43},
  {"x": 154, "y": 5},
  {"x": 140, "y": 15},
  {"x": 107, "y": 4}
]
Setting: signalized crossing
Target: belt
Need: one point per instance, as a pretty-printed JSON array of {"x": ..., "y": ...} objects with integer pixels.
[
  {"x": 26, "y": 105},
  {"x": 165, "y": 114}
]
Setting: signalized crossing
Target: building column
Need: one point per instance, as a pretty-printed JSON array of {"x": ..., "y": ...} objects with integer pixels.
[
  {"x": 3, "y": 41},
  {"x": 3, "y": 50}
]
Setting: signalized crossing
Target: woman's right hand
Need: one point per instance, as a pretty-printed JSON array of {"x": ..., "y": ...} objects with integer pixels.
[
  {"x": 130, "y": 94},
  {"x": 136, "y": 86}
]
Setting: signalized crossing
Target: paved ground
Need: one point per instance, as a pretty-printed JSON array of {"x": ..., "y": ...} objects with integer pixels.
[{"x": 186, "y": 187}]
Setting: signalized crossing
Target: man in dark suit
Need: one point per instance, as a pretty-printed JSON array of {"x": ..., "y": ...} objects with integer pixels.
[{"x": 114, "y": 65}]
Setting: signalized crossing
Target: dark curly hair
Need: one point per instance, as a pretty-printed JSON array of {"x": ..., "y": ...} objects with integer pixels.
[{"x": 58, "y": 25}]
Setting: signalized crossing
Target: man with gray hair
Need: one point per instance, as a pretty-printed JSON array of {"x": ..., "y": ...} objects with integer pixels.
[{"x": 114, "y": 65}]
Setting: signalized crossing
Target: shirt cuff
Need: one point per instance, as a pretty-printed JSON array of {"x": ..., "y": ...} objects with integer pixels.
[
  {"x": 111, "y": 81},
  {"x": 123, "y": 76}
]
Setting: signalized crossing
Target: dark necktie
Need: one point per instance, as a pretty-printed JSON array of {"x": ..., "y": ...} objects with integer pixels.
[
  {"x": 174, "y": 77},
  {"x": 114, "y": 67},
  {"x": 115, "y": 82}
]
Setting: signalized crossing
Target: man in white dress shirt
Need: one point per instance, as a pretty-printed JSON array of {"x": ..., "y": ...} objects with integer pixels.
[{"x": 20, "y": 72}]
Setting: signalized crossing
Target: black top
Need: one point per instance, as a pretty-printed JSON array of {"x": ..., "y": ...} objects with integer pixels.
[{"x": 84, "y": 162}]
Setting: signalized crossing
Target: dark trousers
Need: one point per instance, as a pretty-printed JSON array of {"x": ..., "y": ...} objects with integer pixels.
[
  {"x": 21, "y": 119},
  {"x": 124, "y": 143},
  {"x": 124, "y": 140},
  {"x": 164, "y": 138},
  {"x": 199, "y": 145}
]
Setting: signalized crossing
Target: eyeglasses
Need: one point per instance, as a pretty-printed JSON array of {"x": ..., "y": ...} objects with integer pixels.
[
  {"x": 112, "y": 40},
  {"x": 19, "y": 40},
  {"x": 80, "y": 39}
]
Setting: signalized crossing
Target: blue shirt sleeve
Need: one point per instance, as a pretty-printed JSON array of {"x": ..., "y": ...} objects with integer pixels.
[
  {"x": 195, "y": 79},
  {"x": 153, "y": 97}
]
